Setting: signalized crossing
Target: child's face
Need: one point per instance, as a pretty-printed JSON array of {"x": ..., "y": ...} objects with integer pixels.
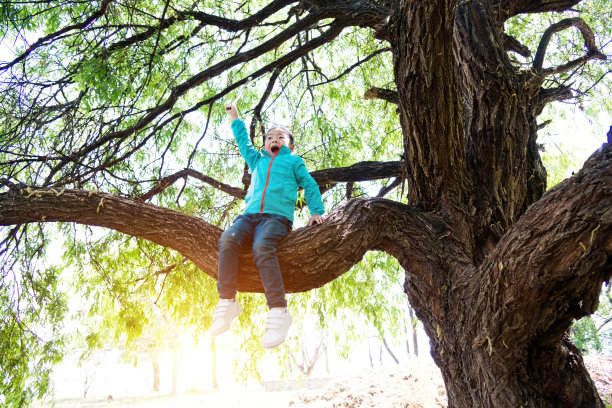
[{"x": 275, "y": 139}]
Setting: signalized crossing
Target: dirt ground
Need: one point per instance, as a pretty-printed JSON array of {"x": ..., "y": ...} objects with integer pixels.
[{"x": 410, "y": 385}]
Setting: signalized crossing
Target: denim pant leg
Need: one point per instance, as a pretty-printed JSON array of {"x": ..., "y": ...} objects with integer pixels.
[
  {"x": 267, "y": 235},
  {"x": 232, "y": 239}
]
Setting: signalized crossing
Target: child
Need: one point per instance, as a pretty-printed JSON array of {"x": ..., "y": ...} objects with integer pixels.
[{"x": 270, "y": 203}]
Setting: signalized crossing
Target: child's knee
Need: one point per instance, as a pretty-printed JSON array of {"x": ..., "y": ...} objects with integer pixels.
[
  {"x": 263, "y": 249},
  {"x": 228, "y": 238}
]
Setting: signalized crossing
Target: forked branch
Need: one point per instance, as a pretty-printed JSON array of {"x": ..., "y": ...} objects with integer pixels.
[
  {"x": 551, "y": 264},
  {"x": 589, "y": 41}
]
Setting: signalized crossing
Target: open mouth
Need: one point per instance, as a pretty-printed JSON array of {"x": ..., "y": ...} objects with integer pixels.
[{"x": 275, "y": 149}]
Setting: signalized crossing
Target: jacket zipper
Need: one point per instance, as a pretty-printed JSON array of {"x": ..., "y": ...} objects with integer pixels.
[{"x": 267, "y": 181}]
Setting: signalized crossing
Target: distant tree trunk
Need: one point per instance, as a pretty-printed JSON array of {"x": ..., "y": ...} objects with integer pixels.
[
  {"x": 370, "y": 354},
  {"x": 307, "y": 362},
  {"x": 175, "y": 373},
  {"x": 87, "y": 381},
  {"x": 407, "y": 340},
  {"x": 413, "y": 324},
  {"x": 384, "y": 340},
  {"x": 156, "y": 372},
  {"x": 213, "y": 349}
]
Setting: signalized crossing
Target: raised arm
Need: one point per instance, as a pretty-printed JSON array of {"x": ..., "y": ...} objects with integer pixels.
[{"x": 247, "y": 150}]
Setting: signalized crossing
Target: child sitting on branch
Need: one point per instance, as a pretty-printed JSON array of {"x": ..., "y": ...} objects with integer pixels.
[{"x": 267, "y": 219}]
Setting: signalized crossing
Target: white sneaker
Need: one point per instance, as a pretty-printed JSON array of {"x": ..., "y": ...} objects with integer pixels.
[
  {"x": 278, "y": 321},
  {"x": 225, "y": 313}
]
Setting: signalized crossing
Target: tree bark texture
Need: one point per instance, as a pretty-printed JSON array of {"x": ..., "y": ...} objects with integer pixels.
[{"x": 497, "y": 308}]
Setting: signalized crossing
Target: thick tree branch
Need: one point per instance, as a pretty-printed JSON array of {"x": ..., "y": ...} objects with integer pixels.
[
  {"x": 238, "y": 25},
  {"x": 510, "y": 8},
  {"x": 308, "y": 256},
  {"x": 551, "y": 264},
  {"x": 554, "y": 94},
  {"x": 512, "y": 44}
]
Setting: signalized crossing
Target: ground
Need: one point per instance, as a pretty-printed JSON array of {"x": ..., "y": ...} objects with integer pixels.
[{"x": 413, "y": 384}]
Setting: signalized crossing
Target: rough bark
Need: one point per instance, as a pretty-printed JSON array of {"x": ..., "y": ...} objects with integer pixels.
[
  {"x": 429, "y": 109},
  {"x": 469, "y": 123},
  {"x": 351, "y": 230}
]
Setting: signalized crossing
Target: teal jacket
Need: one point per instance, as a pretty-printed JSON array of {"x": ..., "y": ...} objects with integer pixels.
[{"x": 275, "y": 179}]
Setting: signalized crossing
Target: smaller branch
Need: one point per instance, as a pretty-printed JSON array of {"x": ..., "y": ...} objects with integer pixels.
[
  {"x": 349, "y": 190},
  {"x": 152, "y": 57},
  {"x": 555, "y": 94},
  {"x": 262, "y": 101},
  {"x": 608, "y": 320},
  {"x": 575, "y": 63},
  {"x": 352, "y": 67},
  {"x": 512, "y": 44},
  {"x": 381, "y": 93},
  {"x": 544, "y": 124},
  {"x": 56, "y": 34},
  {"x": 164, "y": 271},
  {"x": 169, "y": 180},
  {"x": 385, "y": 190}
]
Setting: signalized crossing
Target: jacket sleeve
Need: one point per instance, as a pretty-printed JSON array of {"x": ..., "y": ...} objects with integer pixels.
[
  {"x": 310, "y": 186},
  {"x": 247, "y": 151}
]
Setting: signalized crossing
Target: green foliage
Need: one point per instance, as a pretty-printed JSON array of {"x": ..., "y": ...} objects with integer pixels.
[
  {"x": 32, "y": 309},
  {"x": 593, "y": 334}
]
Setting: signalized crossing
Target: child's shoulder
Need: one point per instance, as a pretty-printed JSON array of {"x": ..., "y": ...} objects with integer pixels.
[{"x": 295, "y": 160}]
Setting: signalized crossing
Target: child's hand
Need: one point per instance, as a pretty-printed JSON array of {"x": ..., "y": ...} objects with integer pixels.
[
  {"x": 315, "y": 219},
  {"x": 232, "y": 111}
]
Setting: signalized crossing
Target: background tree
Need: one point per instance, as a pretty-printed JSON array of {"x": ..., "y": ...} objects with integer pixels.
[{"x": 125, "y": 98}]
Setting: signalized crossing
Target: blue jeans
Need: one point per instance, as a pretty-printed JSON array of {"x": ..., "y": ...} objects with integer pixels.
[{"x": 264, "y": 231}]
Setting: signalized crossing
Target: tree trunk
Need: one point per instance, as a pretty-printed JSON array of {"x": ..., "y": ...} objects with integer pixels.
[
  {"x": 175, "y": 372},
  {"x": 413, "y": 324},
  {"x": 384, "y": 340},
  {"x": 213, "y": 349},
  {"x": 407, "y": 340},
  {"x": 498, "y": 337},
  {"x": 156, "y": 372}
]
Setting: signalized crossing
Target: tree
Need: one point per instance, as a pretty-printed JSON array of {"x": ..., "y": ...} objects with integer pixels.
[
  {"x": 118, "y": 96},
  {"x": 593, "y": 333}
]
